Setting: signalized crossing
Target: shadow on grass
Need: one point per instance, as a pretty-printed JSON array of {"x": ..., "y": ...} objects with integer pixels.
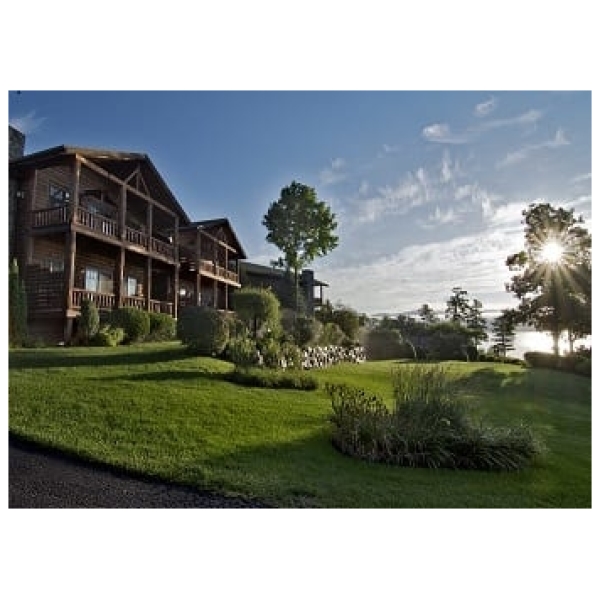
[
  {"x": 93, "y": 357},
  {"x": 167, "y": 375}
]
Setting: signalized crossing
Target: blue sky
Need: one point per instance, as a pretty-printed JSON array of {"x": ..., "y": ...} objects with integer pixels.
[{"x": 427, "y": 187}]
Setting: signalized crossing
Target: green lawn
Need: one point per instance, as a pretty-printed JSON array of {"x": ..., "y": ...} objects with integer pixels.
[{"x": 155, "y": 410}]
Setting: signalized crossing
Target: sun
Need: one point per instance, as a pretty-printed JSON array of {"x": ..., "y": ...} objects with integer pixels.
[{"x": 552, "y": 252}]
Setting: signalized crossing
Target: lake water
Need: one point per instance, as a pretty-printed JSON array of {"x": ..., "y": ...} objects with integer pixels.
[{"x": 538, "y": 341}]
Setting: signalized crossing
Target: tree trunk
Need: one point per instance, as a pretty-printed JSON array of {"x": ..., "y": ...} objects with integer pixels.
[{"x": 555, "y": 338}]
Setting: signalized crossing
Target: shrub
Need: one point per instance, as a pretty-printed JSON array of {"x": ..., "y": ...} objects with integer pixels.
[
  {"x": 270, "y": 351},
  {"x": 331, "y": 335},
  {"x": 242, "y": 352},
  {"x": 163, "y": 327},
  {"x": 203, "y": 330},
  {"x": 544, "y": 360},
  {"x": 292, "y": 355},
  {"x": 268, "y": 378},
  {"x": 257, "y": 308},
  {"x": 305, "y": 330},
  {"x": 385, "y": 344},
  {"x": 109, "y": 336},
  {"x": 88, "y": 323},
  {"x": 426, "y": 428},
  {"x": 133, "y": 321}
]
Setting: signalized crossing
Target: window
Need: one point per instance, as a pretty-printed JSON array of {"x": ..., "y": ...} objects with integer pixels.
[
  {"x": 96, "y": 281},
  {"x": 131, "y": 286},
  {"x": 58, "y": 196},
  {"x": 54, "y": 265}
]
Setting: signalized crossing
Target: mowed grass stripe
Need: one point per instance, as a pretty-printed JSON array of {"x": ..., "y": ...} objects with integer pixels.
[{"x": 155, "y": 410}]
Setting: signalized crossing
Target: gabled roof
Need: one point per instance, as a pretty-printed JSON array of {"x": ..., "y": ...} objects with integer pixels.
[
  {"x": 117, "y": 163},
  {"x": 210, "y": 225}
]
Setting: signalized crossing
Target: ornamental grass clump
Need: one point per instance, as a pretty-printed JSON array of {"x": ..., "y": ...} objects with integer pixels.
[{"x": 428, "y": 426}]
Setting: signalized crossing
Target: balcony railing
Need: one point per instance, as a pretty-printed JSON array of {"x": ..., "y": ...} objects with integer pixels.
[
  {"x": 109, "y": 301},
  {"x": 207, "y": 267},
  {"x": 101, "y": 301},
  {"x": 102, "y": 226}
]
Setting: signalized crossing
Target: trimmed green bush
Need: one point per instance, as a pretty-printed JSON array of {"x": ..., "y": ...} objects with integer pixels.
[
  {"x": 88, "y": 322},
  {"x": 133, "y": 321},
  {"x": 428, "y": 427},
  {"x": 204, "y": 330},
  {"x": 292, "y": 355},
  {"x": 268, "y": 378},
  {"x": 270, "y": 350},
  {"x": 163, "y": 327},
  {"x": 545, "y": 360},
  {"x": 109, "y": 336},
  {"x": 242, "y": 352}
]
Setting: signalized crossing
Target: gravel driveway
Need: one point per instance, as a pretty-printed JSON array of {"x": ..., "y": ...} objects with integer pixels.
[{"x": 40, "y": 478}]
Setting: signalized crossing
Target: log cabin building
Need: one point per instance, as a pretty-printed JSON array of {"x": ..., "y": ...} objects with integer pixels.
[{"x": 103, "y": 225}]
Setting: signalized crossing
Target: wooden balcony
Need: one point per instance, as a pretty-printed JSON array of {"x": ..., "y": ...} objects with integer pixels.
[
  {"x": 101, "y": 227},
  {"x": 109, "y": 301},
  {"x": 207, "y": 267}
]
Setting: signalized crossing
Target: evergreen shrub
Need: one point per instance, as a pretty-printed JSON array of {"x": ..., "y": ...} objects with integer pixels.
[
  {"x": 133, "y": 321},
  {"x": 204, "y": 330}
]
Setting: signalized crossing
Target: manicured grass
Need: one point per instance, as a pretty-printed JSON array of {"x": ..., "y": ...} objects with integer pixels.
[{"x": 153, "y": 409}]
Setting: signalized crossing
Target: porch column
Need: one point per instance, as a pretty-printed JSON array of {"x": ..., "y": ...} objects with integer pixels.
[
  {"x": 197, "y": 258},
  {"x": 122, "y": 212},
  {"x": 148, "y": 282},
  {"x": 215, "y": 292},
  {"x": 149, "y": 224},
  {"x": 71, "y": 246},
  {"x": 119, "y": 272},
  {"x": 177, "y": 265}
]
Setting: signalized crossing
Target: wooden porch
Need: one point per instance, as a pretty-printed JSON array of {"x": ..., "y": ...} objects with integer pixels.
[
  {"x": 105, "y": 229},
  {"x": 109, "y": 302}
]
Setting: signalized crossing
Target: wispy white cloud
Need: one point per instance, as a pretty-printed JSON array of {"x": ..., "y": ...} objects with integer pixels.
[
  {"x": 427, "y": 272},
  {"x": 523, "y": 153},
  {"x": 334, "y": 173},
  {"x": 450, "y": 169},
  {"x": 485, "y": 108},
  {"x": 439, "y": 217},
  {"x": 529, "y": 118},
  {"x": 386, "y": 150},
  {"x": 27, "y": 124},
  {"x": 581, "y": 178},
  {"x": 409, "y": 193},
  {"x": 441, "y": 132}
]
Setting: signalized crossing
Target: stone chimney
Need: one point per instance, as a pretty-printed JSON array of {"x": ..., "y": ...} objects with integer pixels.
[{"x": 16, "y": 143}]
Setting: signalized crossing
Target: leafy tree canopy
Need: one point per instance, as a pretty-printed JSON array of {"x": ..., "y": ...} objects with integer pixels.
[
  {"x": 301, "y": 226},
  {"x": 553, "y": 272}
]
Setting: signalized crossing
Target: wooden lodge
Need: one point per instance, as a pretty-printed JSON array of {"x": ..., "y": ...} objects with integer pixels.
[{"x": 103, "y": 225}]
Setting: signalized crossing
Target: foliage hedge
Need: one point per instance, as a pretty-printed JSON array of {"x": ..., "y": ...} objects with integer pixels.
[
  {"x": 204, "y": 330},
  {"x": 163, "y": 327},
  {"x": 268, "y": 378},
  {"x": 133, "y": 321},
  {"x": 108, "y": 336},
  {"x": 88, "y": 322},
  {"x": 578, "y": 363},
  {"x": 427, "y": 427}
]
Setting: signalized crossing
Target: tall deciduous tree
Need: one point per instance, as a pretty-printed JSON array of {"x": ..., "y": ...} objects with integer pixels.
[
  {"x": 553, "y": 273},
  {"x": 301, "y": 226}
]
